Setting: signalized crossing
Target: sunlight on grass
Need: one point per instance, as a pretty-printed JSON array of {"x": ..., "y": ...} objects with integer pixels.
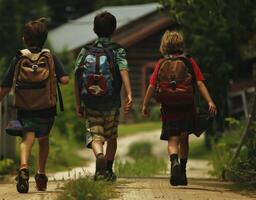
[
  {"x": 131, "y": 129},
  {"x": 86, "y": 188},
  {"x": 198, "y": 150},
  {"x": 143, "y": 163}
]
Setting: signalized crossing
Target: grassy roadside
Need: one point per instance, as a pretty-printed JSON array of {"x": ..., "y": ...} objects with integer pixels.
[
  {"x": 198, "y": 150},
  {"x": 142, "y": 162},
  {"x": 86, "y": 188},
  {"x": 132, "y": 129}
]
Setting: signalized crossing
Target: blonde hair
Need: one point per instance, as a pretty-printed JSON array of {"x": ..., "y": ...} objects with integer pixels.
[{"x": 171, "y": 42}]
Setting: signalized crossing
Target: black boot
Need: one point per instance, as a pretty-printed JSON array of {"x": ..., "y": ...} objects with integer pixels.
[
  {"x": 183, "y": 177},
  {"x": 100, "y": 167},
  {"x": 175, "y": 170}
]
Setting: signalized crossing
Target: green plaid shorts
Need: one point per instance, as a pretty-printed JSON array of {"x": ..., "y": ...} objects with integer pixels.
[{"x": 101, "y": 125}]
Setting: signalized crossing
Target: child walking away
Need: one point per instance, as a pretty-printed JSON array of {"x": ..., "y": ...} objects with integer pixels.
[
  {"x": 33, "y": 75},
  {"x": 101, "y": 68},
  {"x": 173, "y": 83}
]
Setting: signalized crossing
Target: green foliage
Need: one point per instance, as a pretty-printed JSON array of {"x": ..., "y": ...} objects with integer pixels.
[
  {"x": 243, "y": 168},
  {"x": 6, "y": 166},
  {"x": 137, "y": 116},
  {"x": 144, "y": 162},
  {"x": 67, "y": 122},
  {"x": 199, "y": 150},
  {"x": 11, "y": 30},
  {"x": 131, "y": 129},
  {"x": 141, "y": 149},
  {"x": 86, "y": 188}
]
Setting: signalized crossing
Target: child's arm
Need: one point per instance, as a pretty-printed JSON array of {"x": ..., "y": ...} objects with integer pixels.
[
  {"x": 128, "y": 89},
  {"x": 149, "y": 93},
  {"x": 203, "y": 90},
  {"x": 3, "y": 92}
]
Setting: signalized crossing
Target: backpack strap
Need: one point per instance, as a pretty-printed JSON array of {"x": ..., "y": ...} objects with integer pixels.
[
  {"x": 60, "y": 97},
  {"x": 109, "y": 52},
  {"x": 185, "y": 59}
]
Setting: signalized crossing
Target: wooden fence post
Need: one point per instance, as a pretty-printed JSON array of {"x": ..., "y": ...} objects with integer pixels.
[
  {"x": 246, "y": 132},
  {"x": 7, "y": 143}
]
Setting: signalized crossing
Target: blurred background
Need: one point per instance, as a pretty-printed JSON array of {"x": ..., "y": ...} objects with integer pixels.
[{"x": 220, "y": 35}]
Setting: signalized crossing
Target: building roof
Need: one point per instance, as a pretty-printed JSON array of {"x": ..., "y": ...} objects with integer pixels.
[{"x": 79, "y": 32}]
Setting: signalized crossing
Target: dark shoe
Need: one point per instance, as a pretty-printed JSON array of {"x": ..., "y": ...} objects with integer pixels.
[
  {"x": 22, "y": 181},
  {"x": 175, "y": 173},
  {"x": 110, "y": 176},
  {"x": 183, "y": 178},
  {"x": 41, "y": 182},
  {"x": 100, "y": 168}
]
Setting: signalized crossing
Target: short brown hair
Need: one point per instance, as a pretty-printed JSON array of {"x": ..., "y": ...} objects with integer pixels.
[
  {"x": 104, "y": 24},
  {"x": 35, "y": 33},
  {"x": 172, "y": 42}
]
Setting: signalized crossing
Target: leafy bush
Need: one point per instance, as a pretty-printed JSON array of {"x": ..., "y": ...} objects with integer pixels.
[
  {"x": 6, "y": 166},
  {"x": 137, "y": 115},
  {"x": 243, "y": 169},
  {"x": 138, "y": 150},
  {"x": 86, "y": 188},
  {"x": 144, "y": 162}
]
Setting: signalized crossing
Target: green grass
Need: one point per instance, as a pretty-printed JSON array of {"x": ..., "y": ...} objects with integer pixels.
[
  {"x": 144, "y": 162},
  {"x": 86, "y": 188},
  {"x": 132, "y": 129},
  {"x": 198, "y": 150}
]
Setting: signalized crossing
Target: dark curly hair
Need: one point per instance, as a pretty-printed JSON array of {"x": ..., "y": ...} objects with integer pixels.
[{"x": 104, "y": 24}]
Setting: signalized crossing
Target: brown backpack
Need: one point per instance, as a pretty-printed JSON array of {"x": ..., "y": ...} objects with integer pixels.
[
  {"x": 174, "y": 81},
  {"x": 34, "y": 83}
]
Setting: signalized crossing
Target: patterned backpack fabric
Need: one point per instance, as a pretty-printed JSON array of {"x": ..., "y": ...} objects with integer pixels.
[
  {"x": 35, "y": 81},
  {"x": 98, "y": 76},
  {"x": 175, "y": 81}
]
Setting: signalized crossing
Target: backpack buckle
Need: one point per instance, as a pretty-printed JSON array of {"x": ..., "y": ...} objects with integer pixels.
[
  {"x": 173, "y": 85},
  {"x": 34, "y": 67}
]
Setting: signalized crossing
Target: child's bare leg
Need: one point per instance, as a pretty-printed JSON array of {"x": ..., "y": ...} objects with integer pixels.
[
  {"x": 43, "y": 154},
  {"x": 173, "y": 145},
  {"x": 25, "y": 148},
  {"x": 97, "y": 147}
]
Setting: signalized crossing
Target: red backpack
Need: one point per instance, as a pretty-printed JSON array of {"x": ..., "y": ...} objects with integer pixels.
[{"x": 175, "y": 81}]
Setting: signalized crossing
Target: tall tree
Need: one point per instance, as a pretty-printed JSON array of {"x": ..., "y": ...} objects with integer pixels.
[
  {"x": 14, "y": 13},
  {"x": 62, "y": 11}
]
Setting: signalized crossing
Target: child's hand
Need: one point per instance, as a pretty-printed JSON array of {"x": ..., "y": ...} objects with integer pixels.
[
  {"x": 145, "y": 111},
  {"x": 128, "y": 104},
  {"x": 79, "y": 111},
  {"x": 212, "y": 109}
]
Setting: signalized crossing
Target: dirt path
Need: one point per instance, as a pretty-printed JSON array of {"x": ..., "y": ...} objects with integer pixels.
[
  {"x": 205, "y": 188},
  {"x": 159, "y": 189}
]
